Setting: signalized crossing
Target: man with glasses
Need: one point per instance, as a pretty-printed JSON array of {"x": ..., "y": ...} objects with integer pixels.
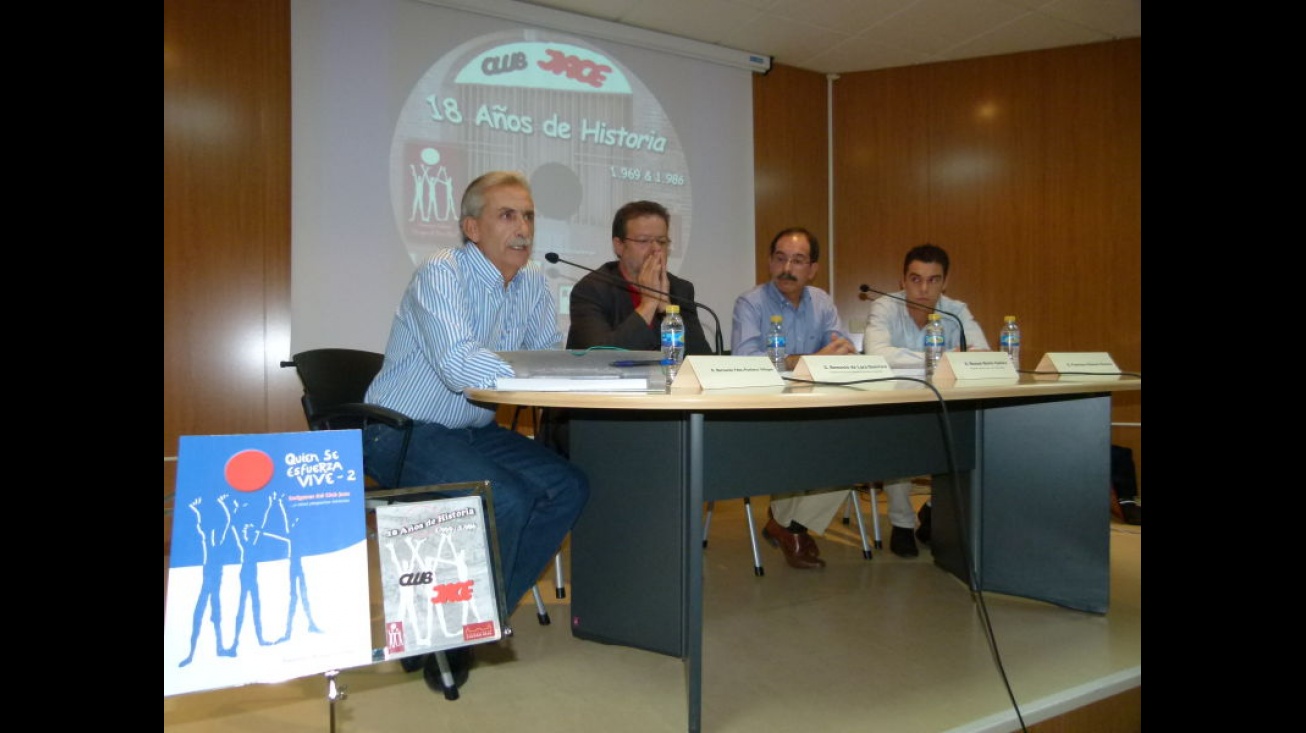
[
  {"x": 811, "y": 326},
  {"x": 896, "y": 331},
  {"x": 622, "y": 303}
]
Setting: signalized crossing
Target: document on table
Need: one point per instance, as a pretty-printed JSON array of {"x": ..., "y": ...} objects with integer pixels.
[
  {"x": 555, "y": 370},
  {"x": 572, "y": 384}
]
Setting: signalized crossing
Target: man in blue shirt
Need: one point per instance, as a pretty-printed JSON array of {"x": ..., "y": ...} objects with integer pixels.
[
  {"x": 896, "y": 331},
  {"x": 811, "y": 326},
  {"x": 462, "y": 305}
]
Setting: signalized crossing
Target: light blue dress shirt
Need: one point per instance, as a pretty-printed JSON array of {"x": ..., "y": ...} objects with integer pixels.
[
  {"x": 807, "y": 327},
  {"x": 452, "y": 318}
]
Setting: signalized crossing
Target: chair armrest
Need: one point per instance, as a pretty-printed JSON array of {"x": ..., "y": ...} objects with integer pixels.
[{"x": 358, "y": 415}]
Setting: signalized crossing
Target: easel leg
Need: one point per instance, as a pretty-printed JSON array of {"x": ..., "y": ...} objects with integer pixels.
[{"x": 334, "y": 692}]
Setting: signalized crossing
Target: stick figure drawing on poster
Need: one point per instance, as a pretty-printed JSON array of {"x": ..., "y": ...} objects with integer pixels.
[
  {"x": 298, "y": 583},
  {"x": 247, "y": 541},
  {"x": 212, "y": 562}
]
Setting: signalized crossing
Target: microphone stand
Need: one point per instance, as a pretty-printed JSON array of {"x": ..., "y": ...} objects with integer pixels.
[
  {"x": 961, "y": 327},
  {"x": 554, "y": 259}
]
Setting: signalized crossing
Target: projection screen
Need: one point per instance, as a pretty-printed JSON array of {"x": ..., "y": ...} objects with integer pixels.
[{"x": 398, "y": 104}]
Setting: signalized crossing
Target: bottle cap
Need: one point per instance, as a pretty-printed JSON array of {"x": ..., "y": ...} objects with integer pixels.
[
  {"x": 777, "y": 319},
  {"x": 673, "y": 309},
  {"x": 934, "y": 317},
  {"x": 1009, "y": 319}
]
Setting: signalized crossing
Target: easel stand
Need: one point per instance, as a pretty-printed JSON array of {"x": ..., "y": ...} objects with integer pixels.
[
  {"x": 446, "y": 676},
  {"x": 334, "y": 692}
]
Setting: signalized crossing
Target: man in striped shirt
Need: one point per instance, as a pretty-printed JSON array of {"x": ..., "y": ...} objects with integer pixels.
[{"x": 462, "y": 305}]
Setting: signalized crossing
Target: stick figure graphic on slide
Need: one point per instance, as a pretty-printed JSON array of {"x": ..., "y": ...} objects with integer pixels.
[
  {"x": 298, "y": 583},
  {"x": 211, "y": 545},
  {"x": 428, "y": 204}
]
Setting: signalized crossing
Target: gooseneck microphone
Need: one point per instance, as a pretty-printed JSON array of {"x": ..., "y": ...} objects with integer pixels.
[
  {"x": 960, "y": 326},
  {"x": 554, "y": 259}
]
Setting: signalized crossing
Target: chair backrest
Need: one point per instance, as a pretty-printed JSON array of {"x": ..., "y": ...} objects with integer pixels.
[
  {"x": 331, "y": 378},
  {"x": 335, "y": 385}
]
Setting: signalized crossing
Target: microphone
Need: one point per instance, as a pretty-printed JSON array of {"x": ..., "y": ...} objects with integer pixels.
[
  {"x": 961, "y": 328},
  {"x": 554, "y": 259}
]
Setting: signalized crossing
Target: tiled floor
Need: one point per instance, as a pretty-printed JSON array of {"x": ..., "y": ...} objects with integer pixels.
[{"x": 886, "y": 644}]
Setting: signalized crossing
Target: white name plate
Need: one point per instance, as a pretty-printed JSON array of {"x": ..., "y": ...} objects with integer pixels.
[
  {"x": 976, "y": 365},
  {"x": 845, "y": 368},
  {"x": 721, "y": 372},
  {"x": 1084, "y": 364}
]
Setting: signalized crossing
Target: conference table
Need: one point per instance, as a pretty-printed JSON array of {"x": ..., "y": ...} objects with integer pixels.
[{"x": 1020, "y": 477}]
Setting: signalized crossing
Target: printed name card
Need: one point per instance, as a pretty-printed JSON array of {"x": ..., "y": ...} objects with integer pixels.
[
  {"x": 721, "y": 372},
  {"x": 964, "y": 365},
  {"x": 845, "y": 368},
  {"x": 1082, "y": 364}
]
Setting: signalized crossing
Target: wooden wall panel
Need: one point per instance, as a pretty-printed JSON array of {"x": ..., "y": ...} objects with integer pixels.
[
  {"x": 226, "y": 221},
  {"x": 881, "y": 182},
  {"x": 1027, "y": 169},
  {"x": 987, "y": 202},
  {"x": 791, "y": 147}
]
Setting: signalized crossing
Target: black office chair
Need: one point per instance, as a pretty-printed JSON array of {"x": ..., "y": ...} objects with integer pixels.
[{"x": 335, "y": 382}]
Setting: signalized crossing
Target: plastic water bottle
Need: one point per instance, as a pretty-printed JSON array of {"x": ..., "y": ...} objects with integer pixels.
[
  {"x": 934, "y": 343},
  {"x": 775, "y": 343},
  {"x": 1010, "y": 340},
  {"x": 673, "y": 342}
]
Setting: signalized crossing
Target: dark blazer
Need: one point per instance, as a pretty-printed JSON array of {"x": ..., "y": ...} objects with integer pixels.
[{"x": 602, "y": 315}]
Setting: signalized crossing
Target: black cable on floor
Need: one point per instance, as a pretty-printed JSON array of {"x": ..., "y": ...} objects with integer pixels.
[{"x": 976, "y": 594}]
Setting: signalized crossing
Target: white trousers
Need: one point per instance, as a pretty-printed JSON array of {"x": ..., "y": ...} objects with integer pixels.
[
  {"x": 901, "y": 512},
  {"x": 813, "y": 510}
]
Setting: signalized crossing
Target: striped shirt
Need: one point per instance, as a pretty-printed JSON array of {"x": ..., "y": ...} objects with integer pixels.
[{"x": 452, "y": 318}]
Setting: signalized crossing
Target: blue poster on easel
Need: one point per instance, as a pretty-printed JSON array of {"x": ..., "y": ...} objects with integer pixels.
[{"x": 268, "y": 571}]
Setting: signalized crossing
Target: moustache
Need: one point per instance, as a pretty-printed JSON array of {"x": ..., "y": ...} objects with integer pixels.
[
  {"x": 521, "y": 242},
  {"x": 787, "y": 276}
]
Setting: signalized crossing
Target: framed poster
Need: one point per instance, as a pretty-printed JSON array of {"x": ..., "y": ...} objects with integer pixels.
[
  {"x": 267, "y": 573},
  {"x": 439, "y": 571}
]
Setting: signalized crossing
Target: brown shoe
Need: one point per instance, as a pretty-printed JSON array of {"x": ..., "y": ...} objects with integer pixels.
[
  {"x": 807, "y": 545},
  {"x": 791, "y": 543}
]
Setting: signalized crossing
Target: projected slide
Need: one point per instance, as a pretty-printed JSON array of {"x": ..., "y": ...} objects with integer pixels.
[
  {"x": 399, "y": 104},
  {"x": 584, "y": 128}
]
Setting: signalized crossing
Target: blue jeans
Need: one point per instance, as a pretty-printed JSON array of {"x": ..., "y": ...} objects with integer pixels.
[{"x": 537, "y": 493}]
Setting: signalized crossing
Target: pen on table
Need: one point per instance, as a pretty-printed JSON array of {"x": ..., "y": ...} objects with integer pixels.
[{"x": 637, "y": 362}]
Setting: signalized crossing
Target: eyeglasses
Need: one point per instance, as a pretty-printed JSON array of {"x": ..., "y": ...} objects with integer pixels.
[
  {"x": 660, "y": 241},
  {"x": 782, "y": 259}
]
